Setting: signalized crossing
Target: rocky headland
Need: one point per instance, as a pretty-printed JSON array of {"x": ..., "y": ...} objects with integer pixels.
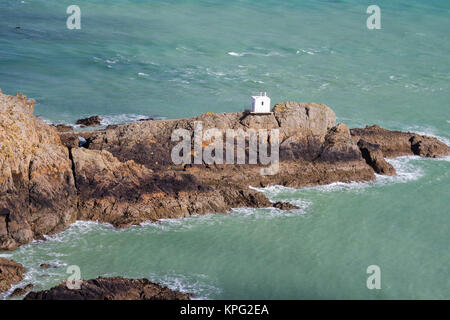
[{"x": 124, "y": 175}]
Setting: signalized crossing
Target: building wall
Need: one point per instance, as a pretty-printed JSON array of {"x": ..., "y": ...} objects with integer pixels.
[{"x": 260, "y": 104}]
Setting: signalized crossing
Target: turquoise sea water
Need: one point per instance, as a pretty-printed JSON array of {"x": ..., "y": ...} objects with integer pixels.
[{"x": 177, "y": 59}]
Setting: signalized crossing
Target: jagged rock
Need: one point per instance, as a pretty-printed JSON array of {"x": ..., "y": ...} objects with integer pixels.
[
  {"x": 10, "y": 272},
  {"x": 285, "y": 206},
  {"x": 374, "y": 158},
  {"x": 428, "y": 147},
  {"x": 397, "y": 143},
  {"x": 116, "y": 288},
  {"x": 339, "y": 146},
  {"x": 37, "y": 191},
  {"x": 21, "y": 291},
  {"x": 63, "y": 127},
  {"x": 90, "y": 121},
  {"x": 124, "y": 193},
  {"x": 303, "y": 118}
]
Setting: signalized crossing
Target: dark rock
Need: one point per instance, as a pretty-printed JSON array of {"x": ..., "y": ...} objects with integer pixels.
[
  {"x": 10, "y": 272},
  {"x": 428, "y": 147},
  {"x": 147, "y": 119},
  {"x": 46, "y": 266},
  {"x": 90, "y": 122},
  {"x": 21, "y": 291},
  {"x": 63, "y": 127},
  {"x": 285, "y": 206},
  {"x": 116, "y": 288},
  {"x": 374, "y": 157}
]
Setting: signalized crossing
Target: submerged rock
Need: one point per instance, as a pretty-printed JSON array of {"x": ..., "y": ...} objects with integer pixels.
[
  {"x": 116, "y": 288},
  {"x": 10, "y": 272}
]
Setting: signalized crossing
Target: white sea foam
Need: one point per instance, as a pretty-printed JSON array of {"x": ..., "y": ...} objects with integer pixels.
[
  {"x": 406, "y": 169},
  {"x": 268, "y": 54},
  {"x": 310, "y": 52},
  {"x": 198, "y": 284},
  {"x": 235, "y": 54},
  {"x": 122, "y": 118},
  {"x": 428, "y": 131}
]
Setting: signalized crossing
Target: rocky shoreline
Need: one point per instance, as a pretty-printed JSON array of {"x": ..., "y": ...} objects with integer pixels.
[
  {"x": 115, "y": 288},
  {"x": 124, "y": 175}
]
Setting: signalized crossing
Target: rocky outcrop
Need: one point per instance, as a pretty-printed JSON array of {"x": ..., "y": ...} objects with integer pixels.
[
  {"x": 37, "y": 190},
  {"x": 63, "y": 128},
  {"x": 397, "y": 143},
  {"x": 285, "y": 206},
  {"x": 90, "y": 122},
  {"x": 116, "y": 288},
  {"x": 10, "y": 272},
  {"x": 124, "y": 174},
  {"x": 374, "y": 158},
  {"x": 21, "y": 291},
  {"x": 125, "y": 193}
]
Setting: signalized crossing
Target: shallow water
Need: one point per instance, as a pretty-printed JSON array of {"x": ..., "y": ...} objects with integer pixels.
[
  {"x": 320, "y": 251},
  {"x": 168, "y": 59}
]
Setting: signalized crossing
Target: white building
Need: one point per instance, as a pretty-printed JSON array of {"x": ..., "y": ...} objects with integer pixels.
[{"x": 261, "y": 103}]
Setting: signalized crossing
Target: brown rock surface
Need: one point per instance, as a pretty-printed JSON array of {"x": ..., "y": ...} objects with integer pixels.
[
  {"x": 37, "y": 191},
  {"x": 397, "y": 143},
  {"x": 284, "y": 206},
  {"x": 10, "y": 272},
  {"x": 21, "y": 291},
  {"x": 63, "y": 127},
  {"x": 374, "y": 158},
  {"x": 90, "y": 121},
  {"x": 116, "y": 288}
]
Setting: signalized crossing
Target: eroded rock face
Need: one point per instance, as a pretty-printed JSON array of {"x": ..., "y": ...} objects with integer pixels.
[
  {"x": 37, "y": 190},
  {"x": 397, "y": 143},
  {"x": 374, "y": 158},
  {"x": 306, "y": 119},
  {"x": 125, "y": 193},
  {"x": 116, "y": 288},
  {"x": 10, "y": 272},
  {"x": 428, "y": 147}
]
